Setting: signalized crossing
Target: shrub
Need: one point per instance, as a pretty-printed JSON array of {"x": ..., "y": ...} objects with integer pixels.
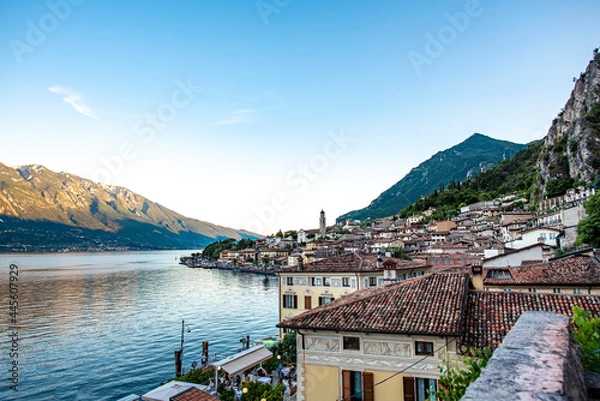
[{"x": 587, "y": 335}]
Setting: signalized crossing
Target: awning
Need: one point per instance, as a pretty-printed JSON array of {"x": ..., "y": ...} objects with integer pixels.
[{"x": 244, "y": 360}]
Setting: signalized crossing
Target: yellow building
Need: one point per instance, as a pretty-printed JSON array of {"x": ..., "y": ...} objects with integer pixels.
[
  {"x": 385, "y": 343},
  {"x": 307, "y": 286}
]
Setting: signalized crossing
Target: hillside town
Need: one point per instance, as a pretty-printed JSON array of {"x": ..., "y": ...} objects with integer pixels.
[
  {"x": 393, "y": 299},
  {"x": 481, "y": 233}
]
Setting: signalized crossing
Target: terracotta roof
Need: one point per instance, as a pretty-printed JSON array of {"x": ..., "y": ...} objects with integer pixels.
[
  {"x": 193, "y": 394},
  {"x": 430, "y": 304},
  {"x": 349, "y": 262},
  {"x": 490, "y": 315},
  {"x": 438, "y": 304},
  {"x": 578, "y": 270}
]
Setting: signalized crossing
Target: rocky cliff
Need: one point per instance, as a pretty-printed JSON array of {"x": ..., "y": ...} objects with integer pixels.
[{"x": 571, "y": 152}]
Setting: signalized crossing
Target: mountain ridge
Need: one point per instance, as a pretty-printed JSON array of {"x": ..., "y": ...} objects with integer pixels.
[
  {"x": 474, "y": 155},
  {"x": 35, "y": 194}
]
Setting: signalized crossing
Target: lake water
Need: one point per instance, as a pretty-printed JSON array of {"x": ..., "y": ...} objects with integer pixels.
[{"x": 100, "y": 326}]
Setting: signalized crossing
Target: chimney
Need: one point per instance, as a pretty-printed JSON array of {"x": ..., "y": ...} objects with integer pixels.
[
  {"x": 379, "y": 262},
  {"x": 389, "y": 272},
  {"x": 300, "y": 263}
]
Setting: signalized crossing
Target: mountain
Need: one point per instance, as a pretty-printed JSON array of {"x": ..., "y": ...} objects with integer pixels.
[
  {"x": 571, "y": 150},
  {"x": 41, "y": 210},
  {"x": 465, "y": 160}
]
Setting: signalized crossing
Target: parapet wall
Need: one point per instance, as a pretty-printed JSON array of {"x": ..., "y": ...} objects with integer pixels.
[{"x": 538, "y": 360}]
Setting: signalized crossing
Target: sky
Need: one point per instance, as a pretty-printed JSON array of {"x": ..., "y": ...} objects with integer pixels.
[{"x": 258, "y": 114}]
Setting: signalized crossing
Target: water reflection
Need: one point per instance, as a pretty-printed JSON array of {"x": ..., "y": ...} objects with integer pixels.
[{"x": 101, "y": 326}]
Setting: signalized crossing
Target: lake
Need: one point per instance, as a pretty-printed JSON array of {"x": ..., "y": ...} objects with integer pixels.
[{"x": 100, "y": 326}]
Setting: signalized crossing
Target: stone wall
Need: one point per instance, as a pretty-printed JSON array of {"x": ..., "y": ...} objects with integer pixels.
[{"x": 538, "y": 360}]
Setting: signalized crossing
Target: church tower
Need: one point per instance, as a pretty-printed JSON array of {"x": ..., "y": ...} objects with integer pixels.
[{"x": 322, "y": 225}]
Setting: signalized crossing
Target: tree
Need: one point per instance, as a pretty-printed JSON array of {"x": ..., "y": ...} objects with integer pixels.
[
  {"x": 588, "y": 229},
  {"x": 454, "y": 380}
]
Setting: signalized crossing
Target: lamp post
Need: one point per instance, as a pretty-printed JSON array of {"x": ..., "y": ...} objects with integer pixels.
[{"x": 179, "y": 353}]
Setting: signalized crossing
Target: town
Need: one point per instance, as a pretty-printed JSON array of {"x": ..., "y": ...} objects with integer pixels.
[{"x": 407, "y": 296}]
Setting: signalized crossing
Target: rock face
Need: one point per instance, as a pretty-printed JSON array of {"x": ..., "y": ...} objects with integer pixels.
[
  {"x": 572, "y": 145},
  {"x": 37, "y": 204}
]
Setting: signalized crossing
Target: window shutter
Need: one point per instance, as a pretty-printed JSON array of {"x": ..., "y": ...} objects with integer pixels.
[
  {"x": 285, "y": 305},
  {"x": 307, "y": 302},
  {"x": 346, "y": 386},
  {"x": 368, "y": 386},
  {"x": 295, "y": 301},
  {"x": 409, "y": 388}
]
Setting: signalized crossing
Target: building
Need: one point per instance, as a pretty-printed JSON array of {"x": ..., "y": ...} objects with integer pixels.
[
  {"x": 385, "y": 343},
  {"x": 575, "y": 274},
  {"x": 301, "y": 236},
  {"x": 322, "y": 224},
  {"x": 306, "y": 286}
]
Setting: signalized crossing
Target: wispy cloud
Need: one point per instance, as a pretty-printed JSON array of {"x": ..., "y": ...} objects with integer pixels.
[
  {"x": 74, "y": 99},
  {"x": 238, "y": 117}
]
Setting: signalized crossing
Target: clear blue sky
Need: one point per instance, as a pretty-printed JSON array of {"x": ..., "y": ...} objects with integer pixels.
[{"x": 232, "y": 111}]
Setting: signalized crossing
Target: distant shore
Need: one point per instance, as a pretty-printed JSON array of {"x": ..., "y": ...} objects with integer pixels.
[{"x": 199, "y": 263}]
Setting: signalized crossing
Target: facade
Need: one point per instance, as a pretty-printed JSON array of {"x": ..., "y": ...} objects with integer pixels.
[
  {"x": 385, "y": 343},
  {"x": 577, "y": 274},
  {"x": 307, "y": 286}
]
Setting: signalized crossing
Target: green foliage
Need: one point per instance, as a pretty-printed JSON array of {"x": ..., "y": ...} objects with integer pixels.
[
  {"x": 454, "y": 380},
  {"x": 258, "y": 391},
  {"x": 212, "y": 251},
  {"x": 558, "y": 187},
  {"x": 226, "y": 394},
  {"x": 286, "y": 348},
  {"x": 446, "y": 169},
  {"x": 592, "y": 118},
  {"x": 587, "y": 335},
  {"x": 588, "y": 229},
  {"x": 197, "y": 376}
]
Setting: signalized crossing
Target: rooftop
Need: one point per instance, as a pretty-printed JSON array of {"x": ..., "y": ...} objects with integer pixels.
[
  {"x": 577, "y": 270},
  {"x": 349, "y": 262},
  {"x": 438, "y": 304}
]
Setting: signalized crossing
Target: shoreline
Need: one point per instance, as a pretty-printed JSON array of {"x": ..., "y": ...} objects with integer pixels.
[{"x": 203, "y": 264}]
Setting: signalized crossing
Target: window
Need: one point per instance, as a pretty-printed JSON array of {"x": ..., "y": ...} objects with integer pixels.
[
  {"x": 352, "y": 343},
  {"x": 325, "y": 299},
  {"x": 357, "y": 386},
  {"x": 326, "y": 282},
  {"x": 380, "y": 281},
  {"x": 532, "y": 290},
  {"x": 411, "y": 275},
  {"x": 499, "y": 274},
  {"x": 316, "y": 281},
  {"x": 556, "y": 290},
  {"x": 423, "y": 348},
  {"x": 307, "y": 302},
  {"x": 577, "y": 291},
  {"x": 290, "y": 301},
  {"x": 422, "y": 385},
  {"x": 507, "y": 289},
  {"x": 372, "y": 281},
  {"x": 415, "y": 388},
  {"x": 290, "y": 281},
  {"x": 345, "y": 282},
  {"x": 401, "y": 277}
]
